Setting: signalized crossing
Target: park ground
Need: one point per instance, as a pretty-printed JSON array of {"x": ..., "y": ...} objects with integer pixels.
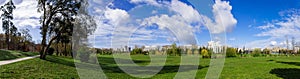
[{"x": 274, "y": 67}]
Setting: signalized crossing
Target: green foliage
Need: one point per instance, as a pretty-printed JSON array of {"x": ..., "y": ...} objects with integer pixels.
[
  {"x": 256, "y": 52},
  {"x": 136, "y": 51},
  {"x": 266, "y": 51},
  {"x": 206, "y": 53},
  {"x": 57, "y": 21},
  {"x": 7, "y": 25},
  {"x": 104, "y": 51},
  {"x": 175, "y": 51},
  {"x": 231, "y": 52},
  {"x": 51, "y": 51}
]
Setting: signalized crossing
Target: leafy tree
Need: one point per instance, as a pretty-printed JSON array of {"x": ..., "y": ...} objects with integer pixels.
[
  {"x": 266, "y": 51},
  {"x": 26, "y": 38},
  {"x": 205, "y": 53},
  {"x": 256, "y": 52},
  {"x": 55, "y": 11},
  {"x": 7, "y": 17},
  {"x": 174, "y": 50},
  {"x": 85, "y": 25},
  {"x": 136, "y": 51},
  {"x": 231, "y": 52}
]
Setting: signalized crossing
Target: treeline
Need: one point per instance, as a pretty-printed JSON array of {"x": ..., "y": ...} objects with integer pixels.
[
  {"x": 13, "y": 38},
  {"x": 205, "y": 52},
  {"x": 17, "y": 42}
]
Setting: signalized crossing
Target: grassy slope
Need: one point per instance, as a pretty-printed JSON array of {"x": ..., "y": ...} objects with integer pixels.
[
  {"x": 7, "y": 54},
  {"x": 55, "y": 67}
]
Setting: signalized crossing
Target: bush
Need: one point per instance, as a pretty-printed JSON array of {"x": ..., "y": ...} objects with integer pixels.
[
  {"x": 256, "y": 53},
  {"x": 104, "y": 51},
  {"x": 136, "y": 51},
  {"x": 231, "y": 52},
  {"x": 174, "y": 50},
  {"x": 205, "y": 53},
  {"x": 50, "y": 51}
]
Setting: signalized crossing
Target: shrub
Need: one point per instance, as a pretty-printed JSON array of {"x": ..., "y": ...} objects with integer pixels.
[
  {"x": 205, "y": 53},
  {"x": 256, "y": 53},
  {"x": 50, "y": 51},
  {"x": 104, "y": 51},
  {"x": 136, "y": 51},
  {"x": 266, "y": 51},
  {"x": 231, "y": 52}
]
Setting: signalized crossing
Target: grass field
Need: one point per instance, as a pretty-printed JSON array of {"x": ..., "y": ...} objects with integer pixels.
[
  {"x": 7, "y": 54},
  {"x": 235, "y": 68}
]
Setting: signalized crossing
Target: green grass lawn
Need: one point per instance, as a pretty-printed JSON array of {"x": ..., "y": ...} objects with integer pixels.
[
  {"x": 235, "y": 68},
  {"x": 8, "y": 54}
]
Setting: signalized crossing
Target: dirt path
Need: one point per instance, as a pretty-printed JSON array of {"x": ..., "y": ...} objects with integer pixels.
[{"x": 4, "y": 62}]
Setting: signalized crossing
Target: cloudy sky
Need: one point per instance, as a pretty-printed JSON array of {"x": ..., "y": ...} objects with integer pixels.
[{"x": 250, "y": 23}]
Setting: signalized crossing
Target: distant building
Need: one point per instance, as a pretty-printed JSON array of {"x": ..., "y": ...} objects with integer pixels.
[{"x": 215, "y": 46}]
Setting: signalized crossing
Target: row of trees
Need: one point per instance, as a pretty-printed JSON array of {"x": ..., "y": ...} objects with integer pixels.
[
  {"x": 66, "y": 25},
  {"x": 12, "y": 39}
]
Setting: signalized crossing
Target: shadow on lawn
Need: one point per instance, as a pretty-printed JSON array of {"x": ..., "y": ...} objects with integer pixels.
[
  {"x": 286, "y": 73},
  {"x": 108, "y": 65},
  {"x": 290, "y": 63},
  {"x": 59, "y": 60}
]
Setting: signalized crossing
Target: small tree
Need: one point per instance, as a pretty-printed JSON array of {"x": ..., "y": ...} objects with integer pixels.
[
  {"x": 256, "y": 52},
  {"x": 266, "y": 51},
  {"x": 205, "y": 53},
  {"x": 231, "y": 52}
]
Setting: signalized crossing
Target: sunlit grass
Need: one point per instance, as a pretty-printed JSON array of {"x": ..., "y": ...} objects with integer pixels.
[{"x": 235, "y": 68}]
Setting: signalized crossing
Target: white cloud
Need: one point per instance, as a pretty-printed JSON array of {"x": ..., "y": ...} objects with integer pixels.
[
  {"x": 224, "y": 20},
  {"x": 151, "y": 2},
  {"x": 280, "y": 30},
  {"x": 260, "y": 43},
  {"x": 187, "y": 13},
  {"x": 183, "y": 24},
  {"x": 232, "y": 39},
  {"x": 273, "y": 43},
  {"x": 179, "y": 28},
  {"x": 116, "y": 16},
  {"x": 266, "y": 27},
  {"x": 26, "y": 14}
]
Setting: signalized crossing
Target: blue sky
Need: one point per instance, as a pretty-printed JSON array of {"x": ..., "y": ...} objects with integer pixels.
[{"x": 250, "y": 23}]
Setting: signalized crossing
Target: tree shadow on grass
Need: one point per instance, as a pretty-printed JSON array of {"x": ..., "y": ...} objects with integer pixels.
[
  {"x": 108, "y": 65},
  {"x": 59, "y": 60},
  {"x": 290, "y": 63},
  {"x": 286, "y": 73}
]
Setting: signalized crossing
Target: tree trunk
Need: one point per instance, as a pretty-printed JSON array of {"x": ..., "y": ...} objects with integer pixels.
[
  {"x": 48, "y": 46},
  {"x": 7, "y": 40},
  {"x": 57, "y": 51},
  {"x": 66, "y": 53}
]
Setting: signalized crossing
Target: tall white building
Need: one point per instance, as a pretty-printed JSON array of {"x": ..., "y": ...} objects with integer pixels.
[{"x": 215, "y": 46}]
